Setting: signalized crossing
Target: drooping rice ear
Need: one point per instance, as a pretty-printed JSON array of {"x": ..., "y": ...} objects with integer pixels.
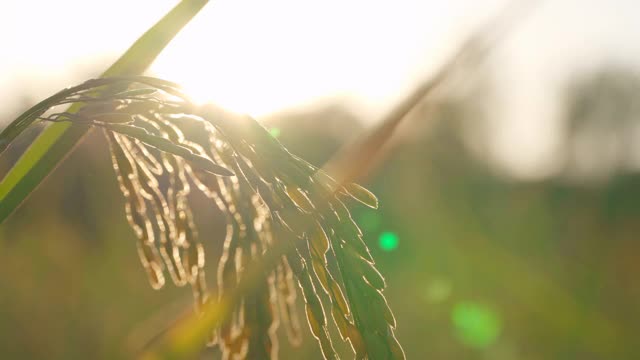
[
  {"x": 167, "y": 145},
  {"x": 313, "y": 307},
  {"x": 274, "y": 196},
  {"x": 135, "y": 208},
  {"x": 361, "y": 194}
]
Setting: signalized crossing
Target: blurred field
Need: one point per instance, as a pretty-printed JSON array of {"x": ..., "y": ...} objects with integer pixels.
[
  {"x": 479, "y": 265},
  {"x": 510, "y": 198}
]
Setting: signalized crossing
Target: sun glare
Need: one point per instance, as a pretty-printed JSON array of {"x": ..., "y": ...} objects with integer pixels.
[
  {"x": 257, "y": 57},
  {"x": 253, "y": 56}
]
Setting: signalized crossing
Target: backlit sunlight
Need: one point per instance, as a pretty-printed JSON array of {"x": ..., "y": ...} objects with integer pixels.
[
  {"x": 287, "y": 179},
  {"x": 286, "y": 53}
]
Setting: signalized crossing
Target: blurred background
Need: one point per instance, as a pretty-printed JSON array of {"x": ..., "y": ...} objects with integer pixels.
[{"x": 510, "y": 197}]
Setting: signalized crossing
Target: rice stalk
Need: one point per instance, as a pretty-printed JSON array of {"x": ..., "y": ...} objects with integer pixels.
[{"x": 267, "y": 194}]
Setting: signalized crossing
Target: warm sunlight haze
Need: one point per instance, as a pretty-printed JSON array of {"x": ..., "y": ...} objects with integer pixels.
[
  {"x": 320, "y": 179},
  {"x": 271, "y": 60},
  {"x": 256, "y": 57}
]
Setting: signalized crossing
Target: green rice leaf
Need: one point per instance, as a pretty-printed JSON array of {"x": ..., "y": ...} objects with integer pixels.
[{"x": 57, "y": 140}]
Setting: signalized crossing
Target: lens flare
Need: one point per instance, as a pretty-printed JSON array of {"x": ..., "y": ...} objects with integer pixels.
[
  {"x": 388, "y": 241},
  {"x": 475, "y": 325}
]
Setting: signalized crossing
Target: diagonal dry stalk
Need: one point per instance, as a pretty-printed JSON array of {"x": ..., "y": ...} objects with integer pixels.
[{"x": 358, "y": 159}]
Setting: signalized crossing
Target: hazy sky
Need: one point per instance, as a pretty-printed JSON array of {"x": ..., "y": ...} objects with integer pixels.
[{"x": 261, "y": 56}]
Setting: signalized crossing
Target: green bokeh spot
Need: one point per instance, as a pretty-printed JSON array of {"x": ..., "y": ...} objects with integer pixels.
[
  {"x": 275, "y": 132},
  {"x": 475, "y": 325},
  {"x": 388, "y": 241}
]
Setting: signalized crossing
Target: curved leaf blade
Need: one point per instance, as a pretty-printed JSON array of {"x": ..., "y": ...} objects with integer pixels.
[{"x": 58, "y": 139}]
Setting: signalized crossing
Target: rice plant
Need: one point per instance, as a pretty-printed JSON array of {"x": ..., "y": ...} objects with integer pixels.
[{"x": 269, "y": 197}]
